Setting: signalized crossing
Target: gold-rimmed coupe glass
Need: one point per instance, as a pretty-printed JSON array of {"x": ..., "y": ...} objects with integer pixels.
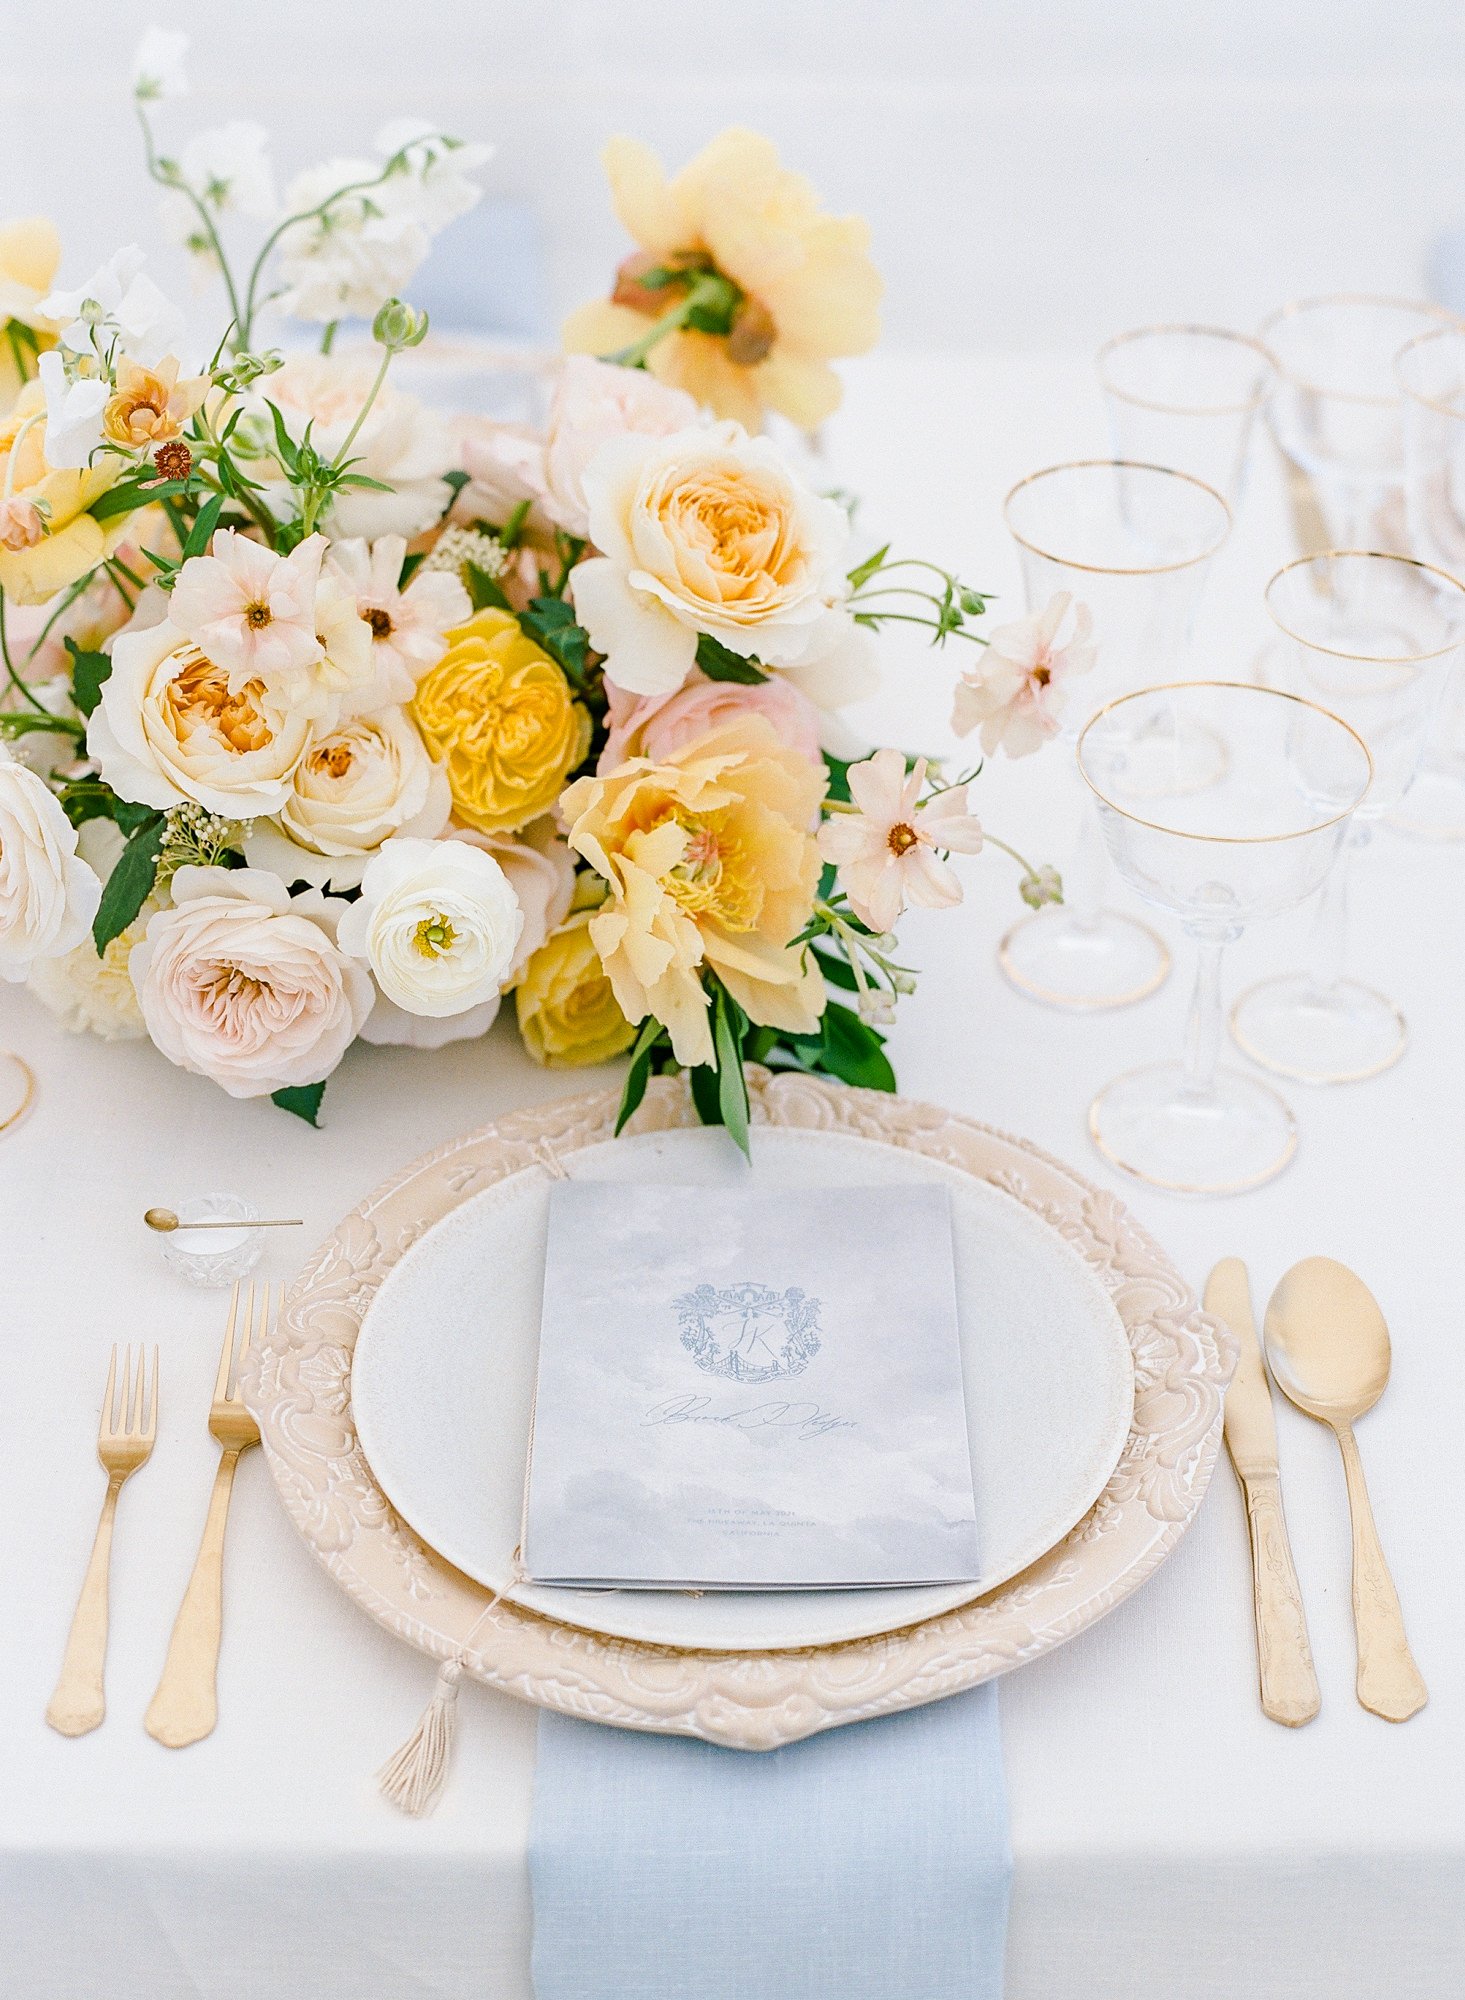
[
  {"x": 1373, "y": 637},
  {"x": 1133, "y": 542},
  {"x": 1186, "y": 396},
  {"x": 1431, "y": 373},
  {"x": 1254, "y": 844},
  {"x": 1336, "y": 411}
]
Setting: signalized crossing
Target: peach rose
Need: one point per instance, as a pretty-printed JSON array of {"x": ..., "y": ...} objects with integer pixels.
[{"x": 653, "y": 726}]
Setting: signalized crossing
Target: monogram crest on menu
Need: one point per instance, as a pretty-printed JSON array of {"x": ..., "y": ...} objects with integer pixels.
[{"x": 749, "y": 1332}]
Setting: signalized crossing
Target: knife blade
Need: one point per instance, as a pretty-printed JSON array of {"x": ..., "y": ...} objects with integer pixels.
[{"x": 1289, "y": 1689}]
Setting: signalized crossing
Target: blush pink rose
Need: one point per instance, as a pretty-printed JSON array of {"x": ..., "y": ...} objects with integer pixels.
[
  {"x": 244, "y": 984},
  {"x": 656, "y": 726}
]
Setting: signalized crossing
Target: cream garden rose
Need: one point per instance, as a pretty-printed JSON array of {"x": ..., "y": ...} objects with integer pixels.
[
  {"x": 354, "y": 789},
  {"x": 438, "y": 924},
  {"x": 242, "y": 983},
  {"x": 171, "y": 726},
  {"x": 48, "y": 895},
  {"x": 709, "y": 531}
]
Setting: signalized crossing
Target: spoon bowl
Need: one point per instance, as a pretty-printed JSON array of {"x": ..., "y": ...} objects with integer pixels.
[{"x": 1327, "y": 1341}]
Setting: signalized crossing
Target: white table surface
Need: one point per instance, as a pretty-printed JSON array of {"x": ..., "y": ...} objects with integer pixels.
[{"x": 1169, "y": 1840}]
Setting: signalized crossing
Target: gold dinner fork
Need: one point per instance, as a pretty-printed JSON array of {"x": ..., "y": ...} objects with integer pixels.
[
  {"x": 185, "y": 1707},
  {"x": 125, "y": 1435}
]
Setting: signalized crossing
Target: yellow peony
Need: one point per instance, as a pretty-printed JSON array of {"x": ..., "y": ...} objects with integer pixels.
[
  {"x": 711, "y": 860},
  {"x": 809, "y": 289},
  {"x": 29, "y": 254},
  {"x": 70, "y": 543},
  {"x": 567, "y": 1008},
  {"x": 498, "y": 714}
]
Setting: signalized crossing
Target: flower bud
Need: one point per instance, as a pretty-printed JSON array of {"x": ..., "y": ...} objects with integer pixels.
[
  {"x": 1040, "y": 886},
  {"x": 398, "y": 325}
]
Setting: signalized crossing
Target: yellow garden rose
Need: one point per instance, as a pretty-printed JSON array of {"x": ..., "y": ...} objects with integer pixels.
[
  {"x": 810, "y": 290},
  {"x": 29, "y": 254},
  {"x": 70, "y": 543},
  {"x": 498, "y": 714},
  {"x": 568, "y": 1015},
  {"x": 711, "y": 860}
]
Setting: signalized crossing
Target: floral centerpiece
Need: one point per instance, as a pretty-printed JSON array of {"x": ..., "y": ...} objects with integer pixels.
[{"x": 329, "y": 718}]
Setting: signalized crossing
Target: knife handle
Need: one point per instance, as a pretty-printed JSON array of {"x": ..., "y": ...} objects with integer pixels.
[{"x": 1288, "y": 1680}]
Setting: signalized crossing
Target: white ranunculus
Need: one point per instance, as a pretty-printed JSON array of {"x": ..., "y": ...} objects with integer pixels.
[
  {"x": 401, "y": 444},
  {"x": 710, "y": 531},
  {"x": 355, "y": 789},
  {"x": 73, "y": 414},
  {"x": 170, "y": 728},
  {"x": 437, "y": 922},
  {"x": 541, "y": 872},
  {"x": 48, "y": 895},
  {"x": 244, "y": 984}
]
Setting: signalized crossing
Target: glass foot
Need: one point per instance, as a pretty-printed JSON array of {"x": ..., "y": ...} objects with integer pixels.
[
  {"x": 1084, "y": 963},
  {"x": 1433, "y": 807},
  {"x": 1336, "y": 1034},
  {"x": 1155, "y": 1125}
]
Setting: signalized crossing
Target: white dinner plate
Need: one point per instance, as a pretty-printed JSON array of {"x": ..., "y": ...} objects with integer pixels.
[{"x": 442, "y": 1383}]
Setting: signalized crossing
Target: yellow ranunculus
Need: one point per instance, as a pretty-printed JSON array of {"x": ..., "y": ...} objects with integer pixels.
[
  {"x": 499, "y": 715},
  {"x": 711, "y": 860},
  {"x": 811, "y": 291},
  {"x": 73, "y": 543},
  {"x": 29, "y": 254},
  {"x": 568, "y": 1015}
]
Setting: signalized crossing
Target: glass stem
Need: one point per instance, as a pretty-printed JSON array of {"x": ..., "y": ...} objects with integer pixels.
[
  {"x": 1085, "y": 875},
  {"x": 1330, "y": 921},
  {"x": 1203, "y": 1028}
]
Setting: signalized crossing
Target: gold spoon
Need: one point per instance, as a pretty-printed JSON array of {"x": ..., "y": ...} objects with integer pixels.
[
  {"x": 165, "y": 1220},
  {"x": 1329, "y": 1350}
]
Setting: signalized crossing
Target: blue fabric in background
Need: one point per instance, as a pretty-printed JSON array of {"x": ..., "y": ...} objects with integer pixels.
[
  {"x": 867, "y": 1863},
  {"x": 486, "y": 274}
]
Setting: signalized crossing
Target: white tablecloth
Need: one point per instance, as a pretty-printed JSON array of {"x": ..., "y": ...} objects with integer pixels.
[{"x": 1169, "y": 1840}]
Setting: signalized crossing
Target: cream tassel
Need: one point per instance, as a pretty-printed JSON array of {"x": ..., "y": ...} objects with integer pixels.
[{"x": 413, "y": 1777}]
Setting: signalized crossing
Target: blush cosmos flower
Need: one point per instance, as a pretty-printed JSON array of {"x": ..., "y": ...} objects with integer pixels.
[
  {"x": 888, "y": 853},
  {"x": 1015, "y": 694},
  {"x": 251, "y": 611},
  {"x": 437, "y": 922},
  {"x": 242, "y": 983},
  {"x": 408, "y": 627}
]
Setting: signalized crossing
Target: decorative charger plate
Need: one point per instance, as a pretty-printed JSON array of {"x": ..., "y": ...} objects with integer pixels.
[{"x": 752, "y": 1700}]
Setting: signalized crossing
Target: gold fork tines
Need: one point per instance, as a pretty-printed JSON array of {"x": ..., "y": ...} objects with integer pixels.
[
  {"x": 125, "y": 1434},
  {"x": 185, "y": 1707}
]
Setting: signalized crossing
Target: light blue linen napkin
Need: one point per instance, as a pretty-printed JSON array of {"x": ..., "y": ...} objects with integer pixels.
[{"x": 866, "y": 1863}]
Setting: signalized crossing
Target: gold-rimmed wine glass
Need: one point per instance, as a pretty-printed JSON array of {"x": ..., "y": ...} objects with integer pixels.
[
  {"x": 1133, "y": 542},
  {"x": 1373, "y": 637},
  {"x": 1431, "y": 373},
  {"x": 1253, "y": 844},
  {"x": 1186, "y": 396},
  {"x": 1336, "y": 411}
]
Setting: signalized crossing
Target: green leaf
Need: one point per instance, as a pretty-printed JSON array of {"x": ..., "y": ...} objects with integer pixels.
[
  {"x": 203, "y": 527},
  {"x": 639, "y": 1072},
  {"x": 852, "y": 1051},
  {"x": 705, "y": 1094},
  {"x": 483, "y": 589},
  {"x": 301, "y": 1098},
  {"x": 721, "y": 663},
  {"x": 286, "y": 449},
  {"x": 132, "y": 494},
  {"x": 728, "y": 1024},
  {"x": 858, "y": 578},
  {"x": 838, "y": 769},
  {"x": 88, "y": 671},
  {"x": 129, "y": 883},
  {"x": 836, "y": 970},
  {"x": 513, "y": 528},
  {"x": 552, "y": 624}
]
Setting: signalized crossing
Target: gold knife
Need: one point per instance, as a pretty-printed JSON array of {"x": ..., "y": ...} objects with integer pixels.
[{"x": 1288, "y": 1681}]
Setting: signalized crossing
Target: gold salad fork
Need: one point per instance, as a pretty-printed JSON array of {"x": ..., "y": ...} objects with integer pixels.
[
  {"x": 185, "y": 1707},
  {"x": 125, "y": 1435}
]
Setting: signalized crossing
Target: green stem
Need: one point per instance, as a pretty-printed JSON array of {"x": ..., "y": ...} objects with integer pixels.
[
  {"x": 180, "y": 186},
  {"x": 328, "y": 338},
  {"x": 670, "y": 321},
  {"x": 908, "y": 618},
  {"x": 991, "y": 840},
  {"x": 20, "y": 686},
  {"x": 361, "y": 415}
]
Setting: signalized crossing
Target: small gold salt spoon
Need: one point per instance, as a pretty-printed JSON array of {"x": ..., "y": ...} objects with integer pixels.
[{"x": 166, "y": 1221}]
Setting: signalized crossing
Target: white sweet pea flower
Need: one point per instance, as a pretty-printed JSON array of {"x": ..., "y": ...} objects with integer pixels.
[
  {"x": 73, "y": 414},
  {"x": 354, "y": 255},
  {"x": 157, "y": 68},
  {"x": 438, "y": 923},
  {"x": 118, "y": 303},
  {"x": 228, "y": 170},
  {"x": 435, "y": 189}
]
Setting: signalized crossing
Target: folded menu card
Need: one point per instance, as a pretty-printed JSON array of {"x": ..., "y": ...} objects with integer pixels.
[{"x": 753, "y": 1390}]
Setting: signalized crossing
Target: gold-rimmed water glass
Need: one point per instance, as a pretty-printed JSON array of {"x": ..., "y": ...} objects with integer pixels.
[
  {"x": 1254, "y": 844},
  {"x": 1186, "y": 396},
  {"x": 1133, "y": 542},
  {"x": 1431, "y": 373},
  {"x": 1336, "y": 411},
  {"x": 1373, "y": 637}
]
